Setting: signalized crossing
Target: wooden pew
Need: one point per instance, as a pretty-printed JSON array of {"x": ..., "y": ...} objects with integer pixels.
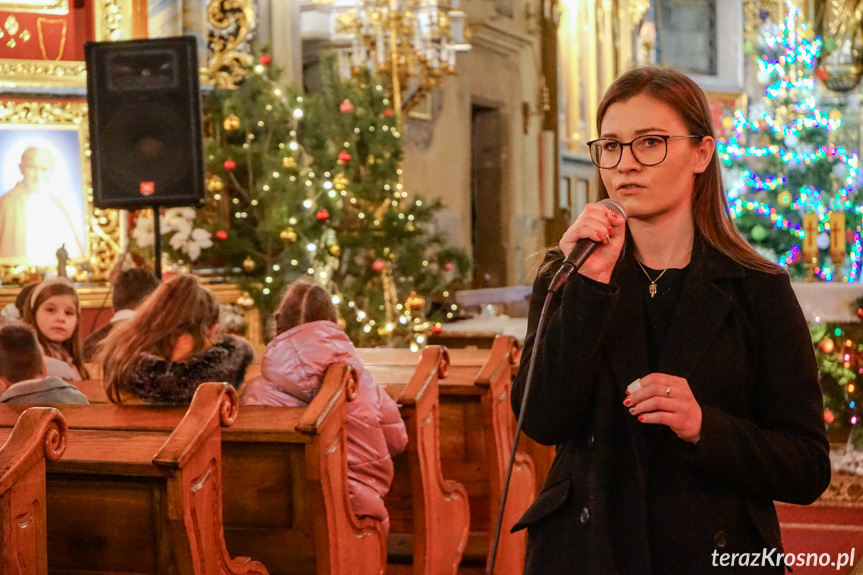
[
  {"x": 284, "y": 475},
  {"x": 476, "y": 430},
  {"x": 429, "y": 515},
  {"x": 127, "y": 501},
  {"x": 39, "y": 434}
]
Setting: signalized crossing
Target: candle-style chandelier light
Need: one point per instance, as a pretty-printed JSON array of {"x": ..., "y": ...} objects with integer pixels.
[{"x": 410, "y": 44}]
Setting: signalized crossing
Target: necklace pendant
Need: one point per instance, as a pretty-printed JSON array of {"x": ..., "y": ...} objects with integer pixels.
[{"x": 652, "y": 289}]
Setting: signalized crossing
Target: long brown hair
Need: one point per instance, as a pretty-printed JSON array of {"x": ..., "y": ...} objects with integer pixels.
[
  {"x": 180, "y": 305},
  {"x": 304, "y": 301},
  {"x": 709, "y": 203},
  {"x": 72, "y": 346}
]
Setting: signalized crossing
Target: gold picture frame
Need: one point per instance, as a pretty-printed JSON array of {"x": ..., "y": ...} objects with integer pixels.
[{"x": 57, "y": 129}]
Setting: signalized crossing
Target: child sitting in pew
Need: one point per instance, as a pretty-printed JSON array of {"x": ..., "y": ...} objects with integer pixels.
[
  {"x": 169, "y": 347},
  {"x": 22, "y": 371},
  {"x": 54, "y": 311},
  {"x": 309, "y": 341}
]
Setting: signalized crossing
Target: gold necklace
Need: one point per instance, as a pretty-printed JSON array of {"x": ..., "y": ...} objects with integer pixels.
[{"x": 652, "y": 287}]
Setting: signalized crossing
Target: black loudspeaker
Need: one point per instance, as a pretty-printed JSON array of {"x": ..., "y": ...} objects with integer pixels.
[{"x": 144, "y": 103}]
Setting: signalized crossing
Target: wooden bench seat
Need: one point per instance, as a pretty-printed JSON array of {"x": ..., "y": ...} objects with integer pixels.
[
  {"x": 284, "y": 479},
  {"x": 429, "y": 515},
  {"x": 39, "y": 434},
  {"x": 124, "y": 501},
  {"x": 476, "y": 430}
]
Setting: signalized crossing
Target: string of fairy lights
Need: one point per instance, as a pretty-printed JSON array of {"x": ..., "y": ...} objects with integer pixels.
[
  {"x": 326, "y": 195},
  {"x": 787, "y": 66}
]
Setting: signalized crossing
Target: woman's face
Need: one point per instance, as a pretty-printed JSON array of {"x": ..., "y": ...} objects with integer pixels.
[
  {"x": 57, "y": 317},
  {"x": 651, "y": 192}
]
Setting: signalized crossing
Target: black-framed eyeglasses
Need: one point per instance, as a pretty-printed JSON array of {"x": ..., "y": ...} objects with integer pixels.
[{"x": 648, "y": 150}]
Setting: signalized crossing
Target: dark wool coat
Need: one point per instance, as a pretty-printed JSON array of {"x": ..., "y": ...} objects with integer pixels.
[
  {"x": 624, "y": 497},
  {"x": 155, "y": 380}
]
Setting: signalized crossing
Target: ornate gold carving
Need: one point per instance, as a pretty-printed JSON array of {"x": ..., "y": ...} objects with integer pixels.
[
  {"x": 751, "y": 15},
  {"x": 40, "y": 6},
  {"x": 38, "y": 73},
  {"x": 112, "y": 19},
  {"x": 231, "y": 22},
  {"x": 103, "y": 226}
]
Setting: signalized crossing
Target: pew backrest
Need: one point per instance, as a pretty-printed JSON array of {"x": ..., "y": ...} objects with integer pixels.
[{"x": 39, "y": 434}]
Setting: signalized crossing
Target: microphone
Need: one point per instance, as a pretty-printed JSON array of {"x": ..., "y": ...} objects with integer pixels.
[{"x": 582, "y": 250}]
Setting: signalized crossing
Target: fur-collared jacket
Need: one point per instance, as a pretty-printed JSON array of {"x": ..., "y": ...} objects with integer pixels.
[{"x": 157, "y": 381}]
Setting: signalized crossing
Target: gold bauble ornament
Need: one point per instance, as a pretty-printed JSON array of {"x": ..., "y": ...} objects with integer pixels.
[
  {"x": 245, "y": 301},
  {"x": 248, "y": 264},
  {"x": 289, "y": 162},
  {"x": 835, "y": 114},
  {"x": 415, "y": 302},
  {"x": 340, "y": 181},
  {"x": 288, "y": 235},
  {"x": 371, "y": 159},
  {"x": 335, "y": 250},
  {"x": 727, "y": 123},
  {"x": 784, "y": 199},
  {"x": 231, "y": 123},
  {"x": 215, "y": 184}
]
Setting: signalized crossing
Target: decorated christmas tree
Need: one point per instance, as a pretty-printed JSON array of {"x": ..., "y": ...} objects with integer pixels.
[
  {"x": 309, "y": 185},
  {"x": 790, "y": 185}
]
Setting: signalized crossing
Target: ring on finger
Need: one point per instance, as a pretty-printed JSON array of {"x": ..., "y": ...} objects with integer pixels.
[{"x": 667, "y": 391}]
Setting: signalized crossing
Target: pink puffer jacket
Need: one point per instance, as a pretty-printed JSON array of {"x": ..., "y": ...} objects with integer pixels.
[{"x": 291, "y": 374}]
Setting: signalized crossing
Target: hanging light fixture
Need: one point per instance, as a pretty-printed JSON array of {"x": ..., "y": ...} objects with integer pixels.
[{"x": 411, "y": 44}]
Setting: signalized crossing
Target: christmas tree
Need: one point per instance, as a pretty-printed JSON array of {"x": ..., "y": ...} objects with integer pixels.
[
  {"x": 309, "y": 185},
  {"x": 790, "y": 185}
]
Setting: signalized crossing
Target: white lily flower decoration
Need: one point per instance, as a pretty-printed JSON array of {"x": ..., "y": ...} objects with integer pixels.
[
  {"x": 144, "y": 231},
  {"x": 191, "y": 243}
]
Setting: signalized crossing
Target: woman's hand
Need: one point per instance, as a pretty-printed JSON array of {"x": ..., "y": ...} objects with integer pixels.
[
  {"x": 599, "y": 224},
  {"x": 667, "y": 400}
]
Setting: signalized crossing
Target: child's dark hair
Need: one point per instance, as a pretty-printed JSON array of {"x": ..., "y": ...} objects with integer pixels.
[
  {"x": 20, "y": 354},
  {"x": 43, "y": 291},
  {"x": 132, "y": 286},
  {"x": 304, "y": 301}
]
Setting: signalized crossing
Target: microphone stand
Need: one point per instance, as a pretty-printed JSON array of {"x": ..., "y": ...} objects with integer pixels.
[{"x": 559, "y": 280}]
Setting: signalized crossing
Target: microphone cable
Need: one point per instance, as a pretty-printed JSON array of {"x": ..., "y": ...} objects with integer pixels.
[
  {"x": 540, "y": 332},
  {"x": 560, "y": 278}
]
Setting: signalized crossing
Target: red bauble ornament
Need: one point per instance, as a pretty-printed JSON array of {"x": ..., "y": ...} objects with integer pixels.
[
  {"x": 230, "y": 165},
  {"x": 436, "y": 329},
  {"x": 221, "y": 235},
  {"x": 344, "y": 156},
  {"x": 346, "y": 107},
  {"x": 265, "y": 60},
  {"x": 389, "y": 113},
  {"x": 821, "y": 74},
  {"x": 860, "y": 313},
  {"x": 448, "y": 266},
  {"x": 829, "y": 417},
  {"x": 827, "y": 345},
  {"x": 378, "y": 265},
  {"x": 322, "y": 215}
]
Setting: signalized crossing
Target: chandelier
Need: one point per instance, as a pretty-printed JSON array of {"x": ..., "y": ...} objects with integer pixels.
[{"x": 410, "y": 44}]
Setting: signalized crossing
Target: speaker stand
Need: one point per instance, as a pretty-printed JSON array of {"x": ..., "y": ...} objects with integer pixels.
[{"x": 157, "y": 243}]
